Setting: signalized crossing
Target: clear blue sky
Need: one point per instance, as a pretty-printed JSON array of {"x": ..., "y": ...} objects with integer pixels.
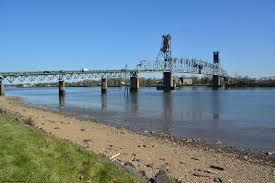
[{"x": 71, "y": 34}]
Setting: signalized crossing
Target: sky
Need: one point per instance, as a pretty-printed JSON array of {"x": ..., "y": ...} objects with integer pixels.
[{"x": 75, "y": 34}]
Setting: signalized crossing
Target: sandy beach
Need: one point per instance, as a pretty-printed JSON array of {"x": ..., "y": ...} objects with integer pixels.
[{"x": 186, "y": 160}]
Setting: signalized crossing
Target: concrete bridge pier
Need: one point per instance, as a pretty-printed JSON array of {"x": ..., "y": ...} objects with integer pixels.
[
  {"x": 61, "y": 88},
  {"x": 216, "y": 81},
  {"x": 134, "y": 83},
  {"x": 2, "y": 87},
  {"x": 104, "y": 85},
  {"x": 168, "y": 83}
]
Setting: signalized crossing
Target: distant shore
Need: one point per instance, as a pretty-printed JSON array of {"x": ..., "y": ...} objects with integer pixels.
[
  {"x": 180, "y": 86},
  {"x": 186, "y": 159}
]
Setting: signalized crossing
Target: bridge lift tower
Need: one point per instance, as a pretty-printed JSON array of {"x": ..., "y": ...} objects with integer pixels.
[
  {"x": 166, "y": 54},
  {"x": 216, "y": 82}
]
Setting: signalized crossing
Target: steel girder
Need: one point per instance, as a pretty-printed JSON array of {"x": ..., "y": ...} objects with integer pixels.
[
  {"x": 181, "y": 65},
  {"x": 175, "y": 65},
  {"x": 54, "y": 76}
]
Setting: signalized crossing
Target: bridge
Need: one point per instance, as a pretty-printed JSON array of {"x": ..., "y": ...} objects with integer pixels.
[{"x": 164, "y": 63}]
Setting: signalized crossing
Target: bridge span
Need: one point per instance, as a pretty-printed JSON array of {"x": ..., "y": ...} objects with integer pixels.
[
  {"x": 175, "y": 65},
  {"x": 165, "y": 64}
]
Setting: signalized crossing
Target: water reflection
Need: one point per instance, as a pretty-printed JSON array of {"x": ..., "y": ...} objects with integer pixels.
[
  {"x": 215, "y": 105},
  {"x": 167, "y": 111},
  {"x": 134, "y": 102},
  {"x": 103, "y": 102},
  {"x": 61, "y": 101},
  {"x": 131, "y": 102}
]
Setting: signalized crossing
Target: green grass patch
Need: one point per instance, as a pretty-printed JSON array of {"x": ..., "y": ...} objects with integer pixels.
[{"x": 28, "y": 155}]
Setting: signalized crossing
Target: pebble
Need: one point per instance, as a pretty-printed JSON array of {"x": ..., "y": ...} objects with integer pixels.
[
  {"x": 194, "y": 158},
  {"x": 80, "y": 177},
  {"x": 216, "y": 167},
  {"x": 269, "y": 153},
  {"x": 86, "y": 140},
  {"x": 138, "y": 160},
  {"x": 118, "y": 163},
  {"x": 86, "y": 145},
  {"x": 162, "y": 177},
  {"x": 153, "y": 165},
  {"x": 273, "y": 172},
  {"x": 131, "y": 169},
  {"x": 218, "y": 179},
  {"x": 129, "y": 164},
  {"x": 210, "y": 171},
  {"x": 200, "y": 175},
  {"x": 180, "y": 180},
  {"x": 147, "y": 175},
  {"x": 144, "y": 146}
]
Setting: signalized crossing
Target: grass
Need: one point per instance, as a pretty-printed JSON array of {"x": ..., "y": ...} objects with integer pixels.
[{"x": 28, "y": 155}]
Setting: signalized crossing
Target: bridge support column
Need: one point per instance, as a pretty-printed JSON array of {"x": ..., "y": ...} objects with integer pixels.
[
  {"x": 134, "y": 84},
  {"x": 216, "y": 81},
  {"x": 61, "y": 88},
  {"x": 168, "y": 81},
  {"x": 2, "y": 87},
  {"x": 104, "y": 85}
]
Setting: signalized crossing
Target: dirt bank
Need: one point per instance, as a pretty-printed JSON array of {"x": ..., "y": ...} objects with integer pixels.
[{"x": 186, "y": 160}]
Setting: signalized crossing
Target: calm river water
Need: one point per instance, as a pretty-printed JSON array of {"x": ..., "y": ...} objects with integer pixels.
[{"x": 243, "y": 118}]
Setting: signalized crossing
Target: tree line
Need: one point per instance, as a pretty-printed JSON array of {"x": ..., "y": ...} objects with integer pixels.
[{"x": 236, "y": 81}]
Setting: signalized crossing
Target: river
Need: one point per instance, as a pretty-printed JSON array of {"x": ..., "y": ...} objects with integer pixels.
[{"x": 242, "y": 118}]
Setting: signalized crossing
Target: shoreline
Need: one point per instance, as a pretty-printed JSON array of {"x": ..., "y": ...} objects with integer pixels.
[
  {"x": 185, "y": 158},
  {"x": 213, "y": 143}
]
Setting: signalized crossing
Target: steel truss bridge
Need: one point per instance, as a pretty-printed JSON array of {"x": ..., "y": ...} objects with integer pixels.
[{"x": 174, "y": 65}]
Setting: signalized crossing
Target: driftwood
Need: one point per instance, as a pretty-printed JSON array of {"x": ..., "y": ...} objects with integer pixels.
[{"x": 114, "y": 156}]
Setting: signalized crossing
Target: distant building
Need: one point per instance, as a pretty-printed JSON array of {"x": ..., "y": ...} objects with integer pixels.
[{"x": 186, "y": 81}]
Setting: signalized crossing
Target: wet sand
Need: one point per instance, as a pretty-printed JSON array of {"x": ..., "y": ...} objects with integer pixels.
[{"x": 185, "y": 159}]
